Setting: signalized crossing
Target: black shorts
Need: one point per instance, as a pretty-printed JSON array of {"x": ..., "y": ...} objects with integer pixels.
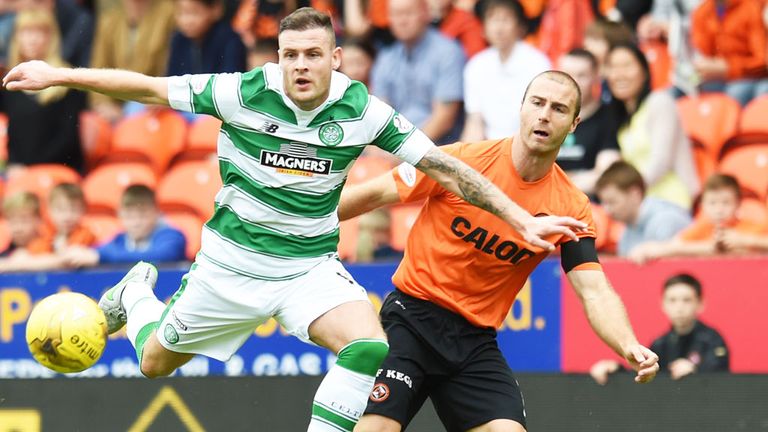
[{"x": 436, "y": 353}]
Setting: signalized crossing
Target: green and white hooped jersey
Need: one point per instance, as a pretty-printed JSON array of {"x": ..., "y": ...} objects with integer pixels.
[{"x": 283, "y": 168}]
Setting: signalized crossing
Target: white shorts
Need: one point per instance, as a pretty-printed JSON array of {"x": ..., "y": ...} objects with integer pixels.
[{"x": 215, "y": 310}]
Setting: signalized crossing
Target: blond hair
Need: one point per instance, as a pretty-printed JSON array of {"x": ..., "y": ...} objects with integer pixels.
[
  {"x": 21, "y": 201},
  {"x": 45, "y": 19}
]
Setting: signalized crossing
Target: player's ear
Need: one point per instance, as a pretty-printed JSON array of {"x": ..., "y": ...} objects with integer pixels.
[
  {"x": 336, "y": 58},
  {"x": 575, "y": 123}
]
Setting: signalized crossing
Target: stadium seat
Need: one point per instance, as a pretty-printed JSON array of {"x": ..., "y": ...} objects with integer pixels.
[
  {"x": 40, "y": 179},
  {"x": 754, "y": 118},
  {"x": 403, "y": 217},
  {"x": 104, "y": 186},
  {"x": 659, "y": 61},
  {"x": 368, "y": 167},
  {"x": 705, "y": 161},
  {"x": 753, "y": 209},
  {"x": 190, "y": 186},
  {"x": 348, "y": 240},
  {"x": 749, "y": 164},
  {"x": 3, "y": 137},
  {"x": 153, "y": 137},
  {"x": 95, "y": 137},
  {"x": 201, "y": 139},
  {"x": 190, "y": 225},
  {"x": 105, "y": 227},
  {"x": 709, "y": 119}
]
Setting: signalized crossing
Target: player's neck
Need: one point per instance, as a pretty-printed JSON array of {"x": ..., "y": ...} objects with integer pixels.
[{"x": 531, "y": 166}]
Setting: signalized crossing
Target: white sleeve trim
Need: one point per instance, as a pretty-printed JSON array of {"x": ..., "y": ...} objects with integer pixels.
[
  {"x": 415, "y": 147},
  {"x": 179, "y": 93}
]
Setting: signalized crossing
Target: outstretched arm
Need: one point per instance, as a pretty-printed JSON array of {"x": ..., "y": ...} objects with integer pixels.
[
  {"x": 458, "y": 178},
  {"x": 362, "y": 198},
  {"x": 608, "y": 318},
  {"x": 120, "y": 84}
]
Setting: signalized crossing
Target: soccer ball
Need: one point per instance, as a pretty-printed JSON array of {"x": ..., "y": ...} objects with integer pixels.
[{"x": 67, "y": 332}]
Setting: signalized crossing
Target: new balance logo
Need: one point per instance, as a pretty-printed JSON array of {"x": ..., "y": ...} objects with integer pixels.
[{"x": 268, "y": 127}]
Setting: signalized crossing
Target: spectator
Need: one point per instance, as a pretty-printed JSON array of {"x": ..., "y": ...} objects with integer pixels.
[
  {"x": 204, "y": 43},
  {"x": 76, "y": 26},
  {"x": 622, "y": 194},
  {"x": 357, "y": 59},
  {"x": 562, "y": 26},
  {"x": 66, "y": 207},
  {"x": 36, "y": 37},
  {"x": 717, "y": 230},
  {"x": 730, "y": 40},
  {"x": 690, "y": 346},
  {"x": 458, "y": 24},
  {"x": 132, "y": 36},
  {"x": 369, "y": 21},
  {"x": 651, "y": 136},
  {"x": 146, "y": 236},
  {"x": 262, "y": 52},
  {"x": 495, "y": 79},
  {"x": 7, "y": 16},
  {"x": 592, "y": 147},
  {"x": 420, "y": 75},
  {"x": 375, "y": 236},
  {"x": 600, "y": 36}
]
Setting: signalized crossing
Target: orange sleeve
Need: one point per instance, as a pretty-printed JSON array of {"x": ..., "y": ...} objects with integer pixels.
[
  {"x": 698, "y": 231},
  {"x": 413, "y": 185},
  {"x": 753, "y": 63},
  {"x": 700, "y": 37},
  {"x": 81, "y": 236},
  {"x": 39, "y": 246}
]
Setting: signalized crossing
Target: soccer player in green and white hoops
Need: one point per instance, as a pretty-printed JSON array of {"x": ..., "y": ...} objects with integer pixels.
[{"x": 289, "y": 136}]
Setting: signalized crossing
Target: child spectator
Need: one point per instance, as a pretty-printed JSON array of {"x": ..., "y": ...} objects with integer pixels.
[
  {"x": 146, "y": 236},
  {"x": 204, "y": 43},
  {"x": 25, "y": 224},
  {"x": 357, "y": 59},
  {"x": 716, "y": 230},
  {"x": 66, "y": 207},
  {"x": 689, "y": 346}
]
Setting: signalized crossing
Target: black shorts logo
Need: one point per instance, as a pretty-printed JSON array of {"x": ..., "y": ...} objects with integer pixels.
[{"x": 380, "y": 392}]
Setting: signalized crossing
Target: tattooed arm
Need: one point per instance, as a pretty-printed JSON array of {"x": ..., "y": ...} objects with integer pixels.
[{"x": 457, "y": 177}]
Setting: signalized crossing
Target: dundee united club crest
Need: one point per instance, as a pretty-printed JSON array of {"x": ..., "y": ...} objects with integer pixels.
[{"x": 331, "y": 134}]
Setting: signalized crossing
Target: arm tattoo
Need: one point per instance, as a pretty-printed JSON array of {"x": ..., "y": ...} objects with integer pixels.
[{"x": 473, "y": 187}]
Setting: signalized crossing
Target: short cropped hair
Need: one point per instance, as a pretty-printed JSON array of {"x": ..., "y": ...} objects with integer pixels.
[
  {"x": 585, "y": 55},
  {"x": 21, "y": 201},
  {"x": 136, "y": 195},
  {"x": 513, "y": 6},
  {"x": 69, "y": 191},
  {"x": 561, "y": 77},
  {"x": 623, "y": 176},
  {"x": 723, "y": 181},
  {"x": 307, "y": 18},
  {"x": 684, "y": 279}
]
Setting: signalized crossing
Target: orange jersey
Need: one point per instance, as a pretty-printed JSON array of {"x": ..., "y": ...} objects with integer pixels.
[
  {"x": 468, "y": 260},
  {"x": 703, "y": 229}
]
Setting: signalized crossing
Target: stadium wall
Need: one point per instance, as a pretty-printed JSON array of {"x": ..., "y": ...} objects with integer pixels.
[
  {"x": 554, "y": 403},
  {"x": 544, "y": 332}
]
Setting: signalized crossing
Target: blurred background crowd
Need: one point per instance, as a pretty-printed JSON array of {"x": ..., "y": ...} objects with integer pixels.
[{"x": 672, "y": 145}]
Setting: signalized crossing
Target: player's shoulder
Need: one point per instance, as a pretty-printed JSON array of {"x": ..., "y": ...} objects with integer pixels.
[{"x": 565, "y": 190}]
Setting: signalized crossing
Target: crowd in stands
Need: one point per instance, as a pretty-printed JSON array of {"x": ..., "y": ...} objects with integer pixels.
[{"x": 672, "y": 145}]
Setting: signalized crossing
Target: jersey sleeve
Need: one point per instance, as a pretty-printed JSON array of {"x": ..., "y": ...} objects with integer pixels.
[
  {"x": 399, "y": 136},
  {"x": 213, "y": 94},
  {"x": 414, "y": 185}
]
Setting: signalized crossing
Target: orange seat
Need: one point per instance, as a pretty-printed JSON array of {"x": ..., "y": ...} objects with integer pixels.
[
  {"x": 104, "y": 186},
  {"x": 710, "y": 119},
  {"x": 753, "y": 209},
  {"x": 95, "y": 137},
  {"x": 705, "y": 161},
  {"x": 154, "y": 137},
  {"x": 3, "y": 137},
  {"x": 754, "y": 119},
  {"x": 5, "y": 235},
  {"x": 368, "y": 167},
  {"x": 105, "y": 227},
  {"x": 201, "y": 139},
  {"x": 749, "y": 164},
  {"x": 348, "y": 240},
  {"x": 403, "y": 217},
  {"x": 40, "y": 179},
  {"x": 190, "y": 225},
  {"x": 659, "y": 61},
  {"x": 190, "y": 186}
]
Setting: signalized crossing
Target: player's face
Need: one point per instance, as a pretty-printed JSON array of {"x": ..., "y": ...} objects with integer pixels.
[
  {"x": 356, "y": 64},
  {"x": 139, "y": 220},
  {"x": 625, "y": 75},
  {"x": 194, "y": 18},
  {"x": 547, "y": 114},
  {"x": 33, "y": 42},
  {"x": 620, "y": 205},
  {"x": 408, "y": 19},
  {"x": 680, "y": 305},
  {"x": 581, "y": 71},
  {"x": 307, "y": 59},
  {"x": 65, "y": 214},
  {"x": 719, "y": 205},
  {"x": 501, "y": 27}
]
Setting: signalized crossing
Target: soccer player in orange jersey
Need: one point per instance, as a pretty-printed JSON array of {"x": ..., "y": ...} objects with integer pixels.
[{"x": 463, "y": 268}]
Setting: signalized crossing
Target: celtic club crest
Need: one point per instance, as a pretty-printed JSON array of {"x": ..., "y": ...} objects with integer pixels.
[{"x": 331, "y": 134}]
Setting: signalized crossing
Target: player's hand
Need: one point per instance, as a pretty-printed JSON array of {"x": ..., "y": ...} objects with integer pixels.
[
  {"x": 644, "y": 361},
  {"x": 32, "y": 75},
  {"x": 537, "y": 228},
  {"x": 600, "y": 370},
  {"x": 681, "y": 367}
]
